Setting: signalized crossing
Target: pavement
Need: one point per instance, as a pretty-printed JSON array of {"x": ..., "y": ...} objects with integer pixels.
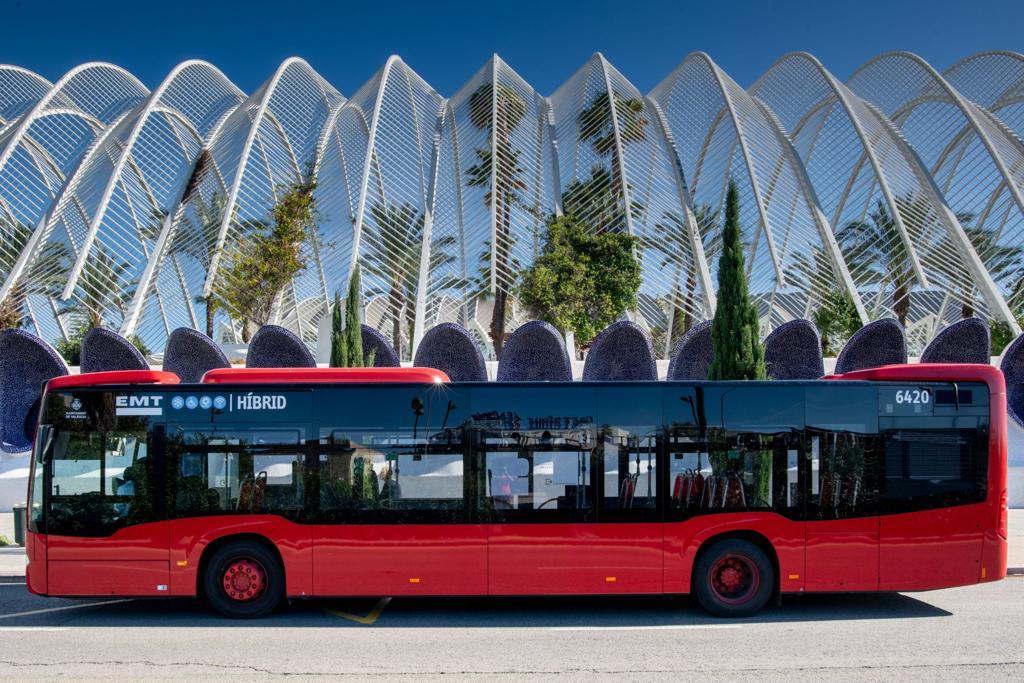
[{"x": 958, "y": 634}]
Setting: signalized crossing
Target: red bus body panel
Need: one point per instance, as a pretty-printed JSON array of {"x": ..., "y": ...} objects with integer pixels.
[
  {"x": 35, "y": 570},
  {"x": 566, "y": 559},
  {"x": 842, "y": 555},
  {"x": 131, "y": 561},
  {"x": 400, "y": 559}
]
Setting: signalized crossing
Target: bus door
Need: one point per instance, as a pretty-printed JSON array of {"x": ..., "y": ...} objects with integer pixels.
[
  {"x": 539, "y": 451},
  {"x": 239, "y": 463},
  {"x": 841, "y": 465},
  {"x": 106, "y": 529},
  {"x": 394, "y": 479}
]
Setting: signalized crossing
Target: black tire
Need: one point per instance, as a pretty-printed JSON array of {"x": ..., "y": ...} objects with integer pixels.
[
  {"x": 244, "y": 580},
  {"x": 733, "y": 578}
]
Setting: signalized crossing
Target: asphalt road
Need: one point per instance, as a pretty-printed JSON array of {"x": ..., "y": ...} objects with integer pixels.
[{"x": 973, "y": 632}]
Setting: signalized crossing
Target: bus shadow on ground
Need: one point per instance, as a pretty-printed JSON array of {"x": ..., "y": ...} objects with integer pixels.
[{"x": 562, "y": 613}]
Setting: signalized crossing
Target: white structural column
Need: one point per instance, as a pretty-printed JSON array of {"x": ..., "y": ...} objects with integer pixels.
[
  {"x": 741, "y": 137},
  {"x": 613, "y": 109},
  {"x": 423, "y": 279},
  {"x": 828, "y": 238},
  {"x": 692, "y": 229},
  {"x": 357, "y": 228},
  {"x": 262, "y": 102}
]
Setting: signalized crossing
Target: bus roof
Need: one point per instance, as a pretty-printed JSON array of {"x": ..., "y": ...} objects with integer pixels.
[
  {"x": 89, "y": 379},
  {"x": 324, "y": 376},
  {"x": 257, "y": 376}
]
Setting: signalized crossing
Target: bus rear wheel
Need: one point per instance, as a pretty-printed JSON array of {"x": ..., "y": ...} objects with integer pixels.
[
  {"x": 733, "y": 578},
  {"x": 244, "y": 580}
]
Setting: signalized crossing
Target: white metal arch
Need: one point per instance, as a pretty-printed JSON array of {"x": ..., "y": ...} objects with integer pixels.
[
  {"x": 262, "y": 102},
  {"x": 58, "y": 88},
  {"x": 128, "y": 148},
  {"x": 969, "y": 111}
]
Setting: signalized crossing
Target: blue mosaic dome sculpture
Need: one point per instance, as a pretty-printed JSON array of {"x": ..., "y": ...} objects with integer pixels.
[
  {"x": 104, "y": 350},
  {"x": 1012, "y": 365},
  {"x": 276, "y": 347},
  {"x": 384, "y": 353},
  {"x": 535, "y": 352},
  {"x": 190, "y": 353},
  {"x": 965, "y": 341},
  {"x": 451, "y": 349},
  {"x": 622, "y": 352},
  {"x": 692, "y": 355},
  {"x": 793, "y": 351},
  {"x": 878, "y": 343},
  {"x": 26, "y": 361}
]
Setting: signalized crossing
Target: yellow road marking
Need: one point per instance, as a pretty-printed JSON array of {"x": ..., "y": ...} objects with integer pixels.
[{"x": 370, "y": 618}]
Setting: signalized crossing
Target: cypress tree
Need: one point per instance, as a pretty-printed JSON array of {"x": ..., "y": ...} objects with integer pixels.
[
  {"x": 735, "y": 331},
  {"x": 353, "y": 326},
  {"x": 339, "y": 349}
]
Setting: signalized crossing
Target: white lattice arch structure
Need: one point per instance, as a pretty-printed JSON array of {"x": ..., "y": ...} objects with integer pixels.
[
  {"x": 978, "y": 163},
  {"x": 897, "y": 182},
  {"x": 861, "y": 190}
]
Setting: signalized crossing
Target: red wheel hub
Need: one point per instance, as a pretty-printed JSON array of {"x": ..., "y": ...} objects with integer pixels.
[
  {"x": 244, "y": 579},
  {"x": 734, "y": 579}
]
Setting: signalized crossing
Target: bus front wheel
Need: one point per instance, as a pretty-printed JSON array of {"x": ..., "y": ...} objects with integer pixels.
[
  {"x": 733, "y": 578},
  {"x": 244, "y": 580}
]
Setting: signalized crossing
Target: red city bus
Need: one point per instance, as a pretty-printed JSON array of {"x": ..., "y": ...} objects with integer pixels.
[{"x": 260, "y": 485}]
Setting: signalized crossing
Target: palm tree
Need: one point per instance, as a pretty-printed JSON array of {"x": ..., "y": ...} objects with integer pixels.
[
  {"x": 1003, "y": 262},
  {"x": 100, "y": 288},
  {"x": 45, "y": 275},
  {"x": 498, "y": 109},
  {"x": 596, "y": 125},
  {"x": 671, "y": 238},
  {"x": 391, "y": 253},
  {"x": 876, "y": 251},
  {"x": 593, "y": 201}
]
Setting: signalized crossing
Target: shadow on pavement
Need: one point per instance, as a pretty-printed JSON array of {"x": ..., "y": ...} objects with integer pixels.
[{"x": 561, "y": 613}]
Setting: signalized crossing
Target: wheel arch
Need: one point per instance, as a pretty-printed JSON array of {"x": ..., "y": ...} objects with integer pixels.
[
  {"x": 749, "y": 535},
  {"x": 218, "y": 543}
]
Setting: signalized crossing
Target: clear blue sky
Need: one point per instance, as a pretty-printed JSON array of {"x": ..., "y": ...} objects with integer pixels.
[{"x": 447, "y": 41}]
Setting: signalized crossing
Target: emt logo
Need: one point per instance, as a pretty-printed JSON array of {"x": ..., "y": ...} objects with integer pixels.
[{"x": 139, "y": 405}]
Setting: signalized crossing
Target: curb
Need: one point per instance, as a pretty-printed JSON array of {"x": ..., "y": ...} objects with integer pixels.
[{"x": 1015, "y": 571}]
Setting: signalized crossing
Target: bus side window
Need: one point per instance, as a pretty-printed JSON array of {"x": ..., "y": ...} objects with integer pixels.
[
  {"x": 369, "y": 475},
  {"x": 843, "y": 451},
  {"x": 239, "y": 471}
]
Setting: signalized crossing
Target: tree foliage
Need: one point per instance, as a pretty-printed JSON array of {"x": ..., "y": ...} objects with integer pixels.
[
  {"x": 347, "y": 336},
  {"x": 267, "y": 261},
  {"x": 45, "y": 274},
  {"x": 498, "y": 109},
  {"x": 735, "y": 330},
  {"x": 581, "y": 281},
  {"x": 71, "y": 348},
  {"x": 1002, "y": 335},
  {"x": 836, "y": 319}
]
